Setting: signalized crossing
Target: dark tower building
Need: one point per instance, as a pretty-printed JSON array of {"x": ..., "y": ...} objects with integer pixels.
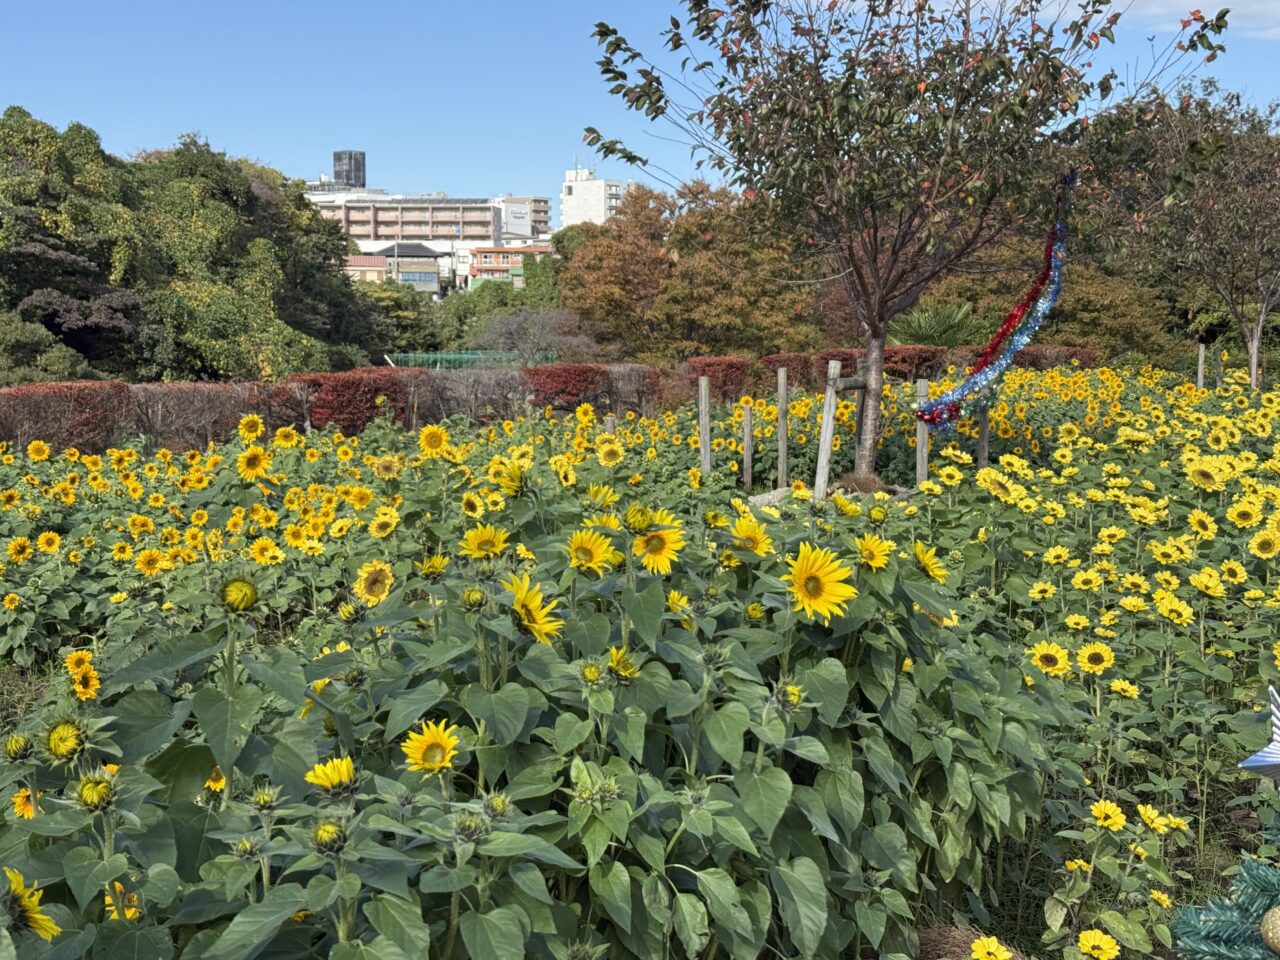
[{"x": 348, "y": 167}]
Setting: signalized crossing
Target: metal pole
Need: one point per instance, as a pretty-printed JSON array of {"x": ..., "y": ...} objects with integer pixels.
[{"x": 748, "y": 447}]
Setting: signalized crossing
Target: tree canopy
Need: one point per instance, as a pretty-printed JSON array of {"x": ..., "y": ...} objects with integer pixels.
[{"x": 179, "y": 264}]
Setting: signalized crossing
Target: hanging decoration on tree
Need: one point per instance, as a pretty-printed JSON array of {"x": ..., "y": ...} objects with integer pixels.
[
  {"x": 1246, "y": 925},
  {"x": 1020, "y": 325}
]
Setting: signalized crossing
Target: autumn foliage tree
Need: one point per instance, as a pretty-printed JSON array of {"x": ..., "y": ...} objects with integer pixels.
[
  {"x": 896, "y": 139},
  {"x": 673, "y": 276}
]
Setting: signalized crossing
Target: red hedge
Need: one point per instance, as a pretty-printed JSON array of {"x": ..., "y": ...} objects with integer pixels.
[
  {"x": 730, "y": 376},
  {"x": 567, "y": 384},
  {"x": 799, "y": 366},
  {"x": 349, "y": 399},
  {"x": 848, "y": 362},
  {"x": 90, "y": 414}
]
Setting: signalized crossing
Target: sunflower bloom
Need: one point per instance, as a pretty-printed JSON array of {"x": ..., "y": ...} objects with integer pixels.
[
  {"x": 483, "y": 541},
  {"x": 818, "y": 583},
  {"x": 658, "y": 547},
  {"x": 335, "y": 775},
  {"x": 534, "y": 615},
  {"x": 373, "y": 582},
  {"x": 1095, "y": 658},
  {"x": 988, "y": 948},
  {"x": 927, "y": 559},
  {"x": 1095, "y": 943},
  {"x": 873, "y": 551},
  {"x": 589, "y": 551},
  {"x": 749, "y": 534},
  {"x": 29, "y": 916},
  {"x": 432, "y": 749},
  {"x": 1051, "y": 659},
  {"x": 1107, "y": 814}
]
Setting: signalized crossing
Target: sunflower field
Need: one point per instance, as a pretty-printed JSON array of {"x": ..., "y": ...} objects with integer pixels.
[{"x": 532, "y": 688}]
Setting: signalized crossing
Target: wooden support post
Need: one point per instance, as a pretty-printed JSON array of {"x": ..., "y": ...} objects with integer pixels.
[
  {"x": 748, "y": 447},
  {"x": 610, "y": 423},
  {"x": 984, "y": 438},
  {"x": 704, "y": 425},
  {"x": 922, "y": 435},
  {"x": 781, "y": 428},
  {"x": 1200, "y": 368},
  {"x": 828, "y": 432}
]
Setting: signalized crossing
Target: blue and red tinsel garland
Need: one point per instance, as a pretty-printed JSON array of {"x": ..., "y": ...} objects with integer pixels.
[{"x": 1019, "y": 326}]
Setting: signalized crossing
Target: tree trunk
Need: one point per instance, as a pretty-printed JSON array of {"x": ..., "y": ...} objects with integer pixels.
[
  {"x": 864, "y": 463},
  {"x": 1253, "y": 346}
]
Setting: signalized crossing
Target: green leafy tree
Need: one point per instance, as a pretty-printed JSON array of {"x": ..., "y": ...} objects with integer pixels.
[
  {"x": 1199, "y": 184},
  {"x": 409, "y": 311},
  {"x": 896, "y": 139}
]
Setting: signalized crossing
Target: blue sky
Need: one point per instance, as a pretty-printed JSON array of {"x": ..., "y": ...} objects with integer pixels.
[{"x": 473, "y": 99}]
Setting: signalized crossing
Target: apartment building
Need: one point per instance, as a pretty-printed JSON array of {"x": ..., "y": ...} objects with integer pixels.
[
  {"x": 503, "y": 263},
  {"x": 585, "y": 198}
]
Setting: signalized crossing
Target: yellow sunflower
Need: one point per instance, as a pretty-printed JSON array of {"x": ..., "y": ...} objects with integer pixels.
[
  {"x": 873, "y": 552},
  {"x": 621, "y": 665},
  {"x": 483, "y": 541},
  {"x": 1051, "y": 658},
  {"x": 749, "y": 534},
  {"x": 927, "y": 558},
  {"x": 432, "y": 749},
  {"x": 48, "y": 542},
  {"x": 29, "y": 916},
  {"x": 336, "y": 775},
  {"x": 121, "y": 904},
  {"x": 589, "y": 551},
  {"x": 1095, "y": 658},
  {"x": 253, "y": 463},
  {"x": 534, "y": 615},
  {"x": 1107, "y": 814},
  {"x": 658, "y": 547},
  {"x": 85, "y": 683},
  {"x": 265, "y": 552},
  {"x": 151, "y": 562},
  {"x": 373, "y": 582},
  {"x": 24, "y": 805},
  {"x": 818, "y": 582},
  {"x": 432, "y": 441}
]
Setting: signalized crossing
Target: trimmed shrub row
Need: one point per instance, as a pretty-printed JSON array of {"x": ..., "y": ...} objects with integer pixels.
[{"x": 93, "y": 415}]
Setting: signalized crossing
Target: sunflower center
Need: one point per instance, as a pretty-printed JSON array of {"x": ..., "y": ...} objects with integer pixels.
[
  {"x": 1048, "y": 660},
  {"x": 655, "y": 544},
  {"x": 484, "y": 545},
  {"x": 1095, "y": 659},
  {"x": 585, "y": 554},
  {"x": 812, "y": 586},
  {"x": 433, "y": 753}
]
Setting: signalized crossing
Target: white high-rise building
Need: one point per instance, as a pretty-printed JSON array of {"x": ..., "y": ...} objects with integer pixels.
[{"x": 586, "y": 199}]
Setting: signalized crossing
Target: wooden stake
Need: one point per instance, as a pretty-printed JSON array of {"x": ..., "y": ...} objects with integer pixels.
[
  {"x": 922, "y": 435},
  {"x": 704, "y": 425},
  {"x": 984, "y": 438},
  {"x": 828, "y": 432},
  {"x": 610, "y": 423},
  {"x": 781, "y": 429},
  {"x": 748, "y": 447},
  {"x": 1200, "y": 368}
]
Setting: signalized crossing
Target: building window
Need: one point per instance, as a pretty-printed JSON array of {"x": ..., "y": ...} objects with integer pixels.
[
  {"x": 568, "y": 190},
  {"x": 419, "y": 277}
]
